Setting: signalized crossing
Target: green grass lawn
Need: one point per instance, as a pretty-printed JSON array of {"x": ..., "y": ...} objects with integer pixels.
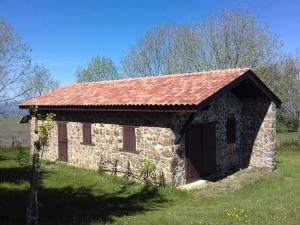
[
  {"x": 288, "y": 138},
  {"x": 76, "y": 196}
]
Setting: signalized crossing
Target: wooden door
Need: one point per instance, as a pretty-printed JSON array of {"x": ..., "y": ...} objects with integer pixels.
[
  {"x": 193, "y": 155},
  {"x": 209, "y": 149},
  {"x": 200, "y": 152},
  {"x": 62, "y": 142}
]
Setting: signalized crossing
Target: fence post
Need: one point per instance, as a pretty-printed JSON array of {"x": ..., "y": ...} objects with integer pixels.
[
  {"x": 128, "y": 171},
  {"x": 114, "y": 168}
]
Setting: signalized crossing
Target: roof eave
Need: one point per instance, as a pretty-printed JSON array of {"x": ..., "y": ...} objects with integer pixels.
[
  {"x": 116, "y": 108},
  {"x": 268, "y": 92}
]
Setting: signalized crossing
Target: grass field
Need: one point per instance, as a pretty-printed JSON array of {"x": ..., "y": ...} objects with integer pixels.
[
  {"x": 287, "y": 138},
  {"x": 76, "y": 196},
  {"x": 11, "y": 130}
]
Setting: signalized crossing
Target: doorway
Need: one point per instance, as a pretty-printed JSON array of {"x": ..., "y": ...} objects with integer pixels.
[
  {"x": 200, "y": 152},
  {"x": 62, "y": 141}
]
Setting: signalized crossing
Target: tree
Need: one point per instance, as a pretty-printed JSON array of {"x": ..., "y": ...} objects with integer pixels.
[
  {"x": 14, "y": 63},
  {"x": 40, "y": 145},
  {"x": 233, "y": 39},
  {"x": 99, "y": 68},
  {"x": 283, "y": 77},
  {"x": 150, "y": 55},
  {"x": 38, "y": 82}
]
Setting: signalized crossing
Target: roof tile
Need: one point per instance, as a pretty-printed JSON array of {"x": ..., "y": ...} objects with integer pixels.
[{"x": 179, "y": 89}]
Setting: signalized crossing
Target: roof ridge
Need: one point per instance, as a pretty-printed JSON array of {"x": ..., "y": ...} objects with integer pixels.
[{"x": 163, "y": 75}]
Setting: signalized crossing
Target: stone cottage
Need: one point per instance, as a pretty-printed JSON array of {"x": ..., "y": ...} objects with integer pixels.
[{"x": 189, "y": 125}]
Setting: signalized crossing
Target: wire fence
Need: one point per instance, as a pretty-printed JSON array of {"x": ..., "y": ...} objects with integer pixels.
[
  {"x": 154, "y": 177},
  {"x": 14, "y": 143}
]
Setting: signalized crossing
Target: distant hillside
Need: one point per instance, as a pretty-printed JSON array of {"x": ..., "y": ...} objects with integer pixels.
[
  {"x": 11, "y": 109},
  {"x": 10, "y": 129}
]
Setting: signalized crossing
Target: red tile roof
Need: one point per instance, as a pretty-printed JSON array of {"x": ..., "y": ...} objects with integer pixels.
[{"x": 188, "y": 89}]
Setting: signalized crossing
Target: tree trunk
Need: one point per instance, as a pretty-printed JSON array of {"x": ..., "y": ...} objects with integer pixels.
[{"x": 32, "y": 206}]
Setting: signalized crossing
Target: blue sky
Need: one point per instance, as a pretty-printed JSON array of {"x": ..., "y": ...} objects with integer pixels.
[{"x": 66, "y": 34}]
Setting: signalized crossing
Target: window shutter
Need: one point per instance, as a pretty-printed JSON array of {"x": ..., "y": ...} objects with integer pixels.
[
  {"x": 129, "y": 140},
  {"x": 86, "y": 133},
  {"x": 125, "y": 139},
  {"x": 231, "y": 130}
]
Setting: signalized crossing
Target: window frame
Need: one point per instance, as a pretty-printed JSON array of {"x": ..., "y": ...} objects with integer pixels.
[
  {"x": 129, "y": 139},
  {"x": 87, "y": 137}
]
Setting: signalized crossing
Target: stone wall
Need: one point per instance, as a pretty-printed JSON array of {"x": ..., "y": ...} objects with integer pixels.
[
  {"x": 156, "y": 132},
  {"x": 228, "y": 155},
  {"x": 258, "y": 133},
  {"x": 154, "y": 140},
  {"x": 255, "y": 135}
]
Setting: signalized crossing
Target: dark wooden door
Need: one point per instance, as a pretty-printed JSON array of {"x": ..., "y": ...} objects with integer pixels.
[
  {"x": 193, "y": 152},
  {"x": 200, "y": 151},
  {"x": 62, "y": 142},
  {"x": 208, "y": 149}
]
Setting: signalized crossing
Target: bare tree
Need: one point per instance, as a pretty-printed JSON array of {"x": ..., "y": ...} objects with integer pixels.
[
  {"x": 233, "y": 39},
  {"x": 14, "y": 62},
  {"x": 283, "y": 77},
  {"x": 236, "y": 39},
  {"x": 151, "y": 54},
  {"x": 99, "y": 68},
  {"x": 38, "y": 82}
]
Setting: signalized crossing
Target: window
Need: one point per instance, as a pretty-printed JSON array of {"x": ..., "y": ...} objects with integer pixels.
[
  {"x": 129, "y": 140},
  {"x": 87, "y": 133},
  {"x": 231, "y": 129}
]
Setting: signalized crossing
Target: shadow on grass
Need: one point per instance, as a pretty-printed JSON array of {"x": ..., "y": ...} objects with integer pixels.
[
  {"x": 14, "y": 175},
  {"x": 2, "y": 158},
  {"x": 74, "y": 206}
]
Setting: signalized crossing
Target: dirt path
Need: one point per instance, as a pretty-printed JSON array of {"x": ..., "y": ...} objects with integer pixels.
[{"x": 235, "y": 181}]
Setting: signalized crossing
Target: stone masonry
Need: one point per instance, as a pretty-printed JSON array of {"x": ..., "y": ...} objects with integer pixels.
[
  {"x": 259, "y": 134},
  {"x": 156, "y": 133}
]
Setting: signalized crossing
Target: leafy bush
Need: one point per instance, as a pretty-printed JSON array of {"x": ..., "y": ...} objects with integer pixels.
[
  {"x": 292, "y": 124},
  {"x": 287, "y": 121},
  {"x": 281, "y": 127},
  {"x": 148, "y": 169},
  {"x": 23, "y": 157}
]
